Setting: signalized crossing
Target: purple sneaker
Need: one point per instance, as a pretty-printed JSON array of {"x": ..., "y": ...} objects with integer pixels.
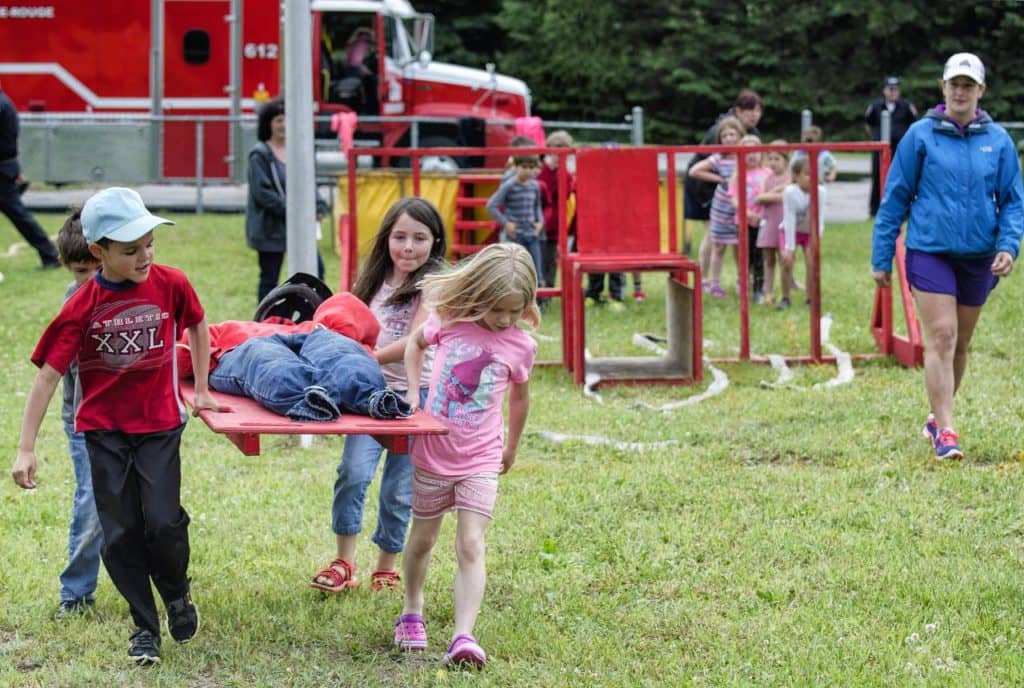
[
  {"x": 411, "y": 632},
  {"x": 464, "y": 650},
  {"x": 931, "y": 429},
  {"x": 946, "y": 445}
]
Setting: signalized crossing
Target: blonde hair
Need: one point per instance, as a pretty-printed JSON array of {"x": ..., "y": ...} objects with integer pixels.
[
  {"x": 799, "y": 166},
  {"x": 751, "y": 140},
  {"x": 466, "y": 292},
  {"x": 729, "y": 123},
  {"x": 559, "y": 139}
]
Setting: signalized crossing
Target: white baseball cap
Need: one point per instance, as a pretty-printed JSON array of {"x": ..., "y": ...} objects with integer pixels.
[
  {"x": 117, "y": 214},
  {"x": 964, "y": 64}
]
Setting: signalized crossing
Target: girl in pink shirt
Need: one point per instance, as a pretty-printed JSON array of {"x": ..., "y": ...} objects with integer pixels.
[
  {"x": 770, "y": 200},
  {"x": 480, "y": 354}
]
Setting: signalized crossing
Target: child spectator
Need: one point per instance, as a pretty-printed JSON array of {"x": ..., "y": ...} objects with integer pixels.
[
  {"x": 85, "y": 536},
  {"x": 796, "y": 226},
  {"x": 480, "y": 354},
  {"x": 517, "y": 208},
  {"x": 828, "y": 169},
  {"x": 719, "y": 168},
  {"x": 770, "y": 200},
  {"x": 121, "y": 327},
  {"x": 756, "y": 174},
  {"x": 550, "y": 194},
  {"x": 510, "y": 166},
  {"x": 409, "y": 245}
]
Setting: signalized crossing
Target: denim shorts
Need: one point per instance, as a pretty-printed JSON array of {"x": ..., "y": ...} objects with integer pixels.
[
  {"x": 968, "y": 280},
  {"x": 435, "y": 495}
]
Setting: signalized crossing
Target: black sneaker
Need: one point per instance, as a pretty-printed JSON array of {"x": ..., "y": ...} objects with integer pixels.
[
  {"x": 182, "y": 619},
  {"x": 145, "y": 647},
  {"x": 71, "y": 608}
]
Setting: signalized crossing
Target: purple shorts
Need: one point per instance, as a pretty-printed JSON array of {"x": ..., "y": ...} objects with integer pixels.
[{"x": 968, "y": 280}]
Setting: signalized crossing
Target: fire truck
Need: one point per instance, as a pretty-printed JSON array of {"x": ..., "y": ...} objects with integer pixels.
[{"x": 114, "y": 88}]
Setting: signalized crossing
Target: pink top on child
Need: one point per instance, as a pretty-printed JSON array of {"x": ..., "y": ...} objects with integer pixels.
[
  {"x": 472, "y": 369},
  {"x": 755, "y": 180},
  {"x": 771, "y": 213},
  {"x": 394, "y": 322}
]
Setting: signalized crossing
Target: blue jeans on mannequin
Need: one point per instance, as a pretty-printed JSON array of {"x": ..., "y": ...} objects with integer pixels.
[{"x": 85, "y": 536}]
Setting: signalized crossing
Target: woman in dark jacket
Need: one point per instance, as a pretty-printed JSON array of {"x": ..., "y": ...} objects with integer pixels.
[{"x": 265, "y": 210}]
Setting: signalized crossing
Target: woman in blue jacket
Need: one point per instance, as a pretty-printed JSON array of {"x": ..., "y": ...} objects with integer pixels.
[{"x": 957, "y": 176}]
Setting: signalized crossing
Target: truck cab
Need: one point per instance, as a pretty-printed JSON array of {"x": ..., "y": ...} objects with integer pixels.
[{"x": 375, "y": 58}]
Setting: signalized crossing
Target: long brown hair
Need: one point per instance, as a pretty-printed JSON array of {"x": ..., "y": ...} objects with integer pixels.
[{"x": 378, "y": 264}]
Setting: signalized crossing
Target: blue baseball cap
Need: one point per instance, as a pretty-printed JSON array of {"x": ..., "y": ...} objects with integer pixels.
[{"x": 117, "y": 214}]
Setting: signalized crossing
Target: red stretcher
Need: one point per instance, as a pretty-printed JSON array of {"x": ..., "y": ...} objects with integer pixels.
[{"x": 243, "y": 420}]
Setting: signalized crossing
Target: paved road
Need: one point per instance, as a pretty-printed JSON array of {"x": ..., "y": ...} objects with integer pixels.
[{"x": 847, "y": 201}]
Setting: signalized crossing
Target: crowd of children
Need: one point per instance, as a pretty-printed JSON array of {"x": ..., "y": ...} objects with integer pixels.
[{"x": 777, "y": 196}]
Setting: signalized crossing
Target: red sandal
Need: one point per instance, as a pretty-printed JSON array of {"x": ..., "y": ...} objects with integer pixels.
[
  {"x": 340, "y": 574},
  {"x": 384, "y": 580}
]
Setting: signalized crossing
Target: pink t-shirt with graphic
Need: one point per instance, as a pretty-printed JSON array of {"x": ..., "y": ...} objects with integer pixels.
[{"x": 472, "y": 369}]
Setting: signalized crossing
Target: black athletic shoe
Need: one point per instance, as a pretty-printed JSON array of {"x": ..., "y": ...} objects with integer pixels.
[
  {"x": 145, "y": 647},
  {"x": 182, "y": 619}
]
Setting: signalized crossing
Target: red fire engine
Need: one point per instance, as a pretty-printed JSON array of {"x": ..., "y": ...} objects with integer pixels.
[{"x": 182, "y": 59}]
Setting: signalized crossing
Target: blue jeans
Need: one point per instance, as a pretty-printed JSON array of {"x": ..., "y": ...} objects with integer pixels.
[
  {"x": 85, "y": 536},
  {"x": 358, "y": 465},
  {"x": 315, "y": 376}
]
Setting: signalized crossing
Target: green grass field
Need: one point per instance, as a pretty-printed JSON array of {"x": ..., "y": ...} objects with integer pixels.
[{"x": 759, "y": 538}]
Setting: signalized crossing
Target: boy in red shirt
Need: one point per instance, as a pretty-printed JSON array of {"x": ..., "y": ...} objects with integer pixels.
[{"x": 121, "y": 327}]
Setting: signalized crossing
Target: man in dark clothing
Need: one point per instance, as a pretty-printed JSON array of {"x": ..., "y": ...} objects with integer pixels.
[
  {"x": 10, "y": 195},
  {"x": 903, "y": 114}
]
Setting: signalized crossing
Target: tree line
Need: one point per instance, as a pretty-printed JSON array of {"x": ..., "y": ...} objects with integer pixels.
[{"x": 684, "y": 62}]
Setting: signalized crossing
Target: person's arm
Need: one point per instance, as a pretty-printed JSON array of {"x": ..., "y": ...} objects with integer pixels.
[
  {"x": 900, "y": 191},
  {"x": 262, "y": 191},
  {"x": 395, "y": 351},
  {"x": 765, "y": 197},
  {"x": 45, "y": 383},
  {"x": 789, "y": 200},
  {"x": 538, "y": 210},
  {"x": 199, "y": 345},
  {"x": 705, "y": 171},
  {"x": 518, "y": 410},
  {"x": 414, "y": 365},
  {"x": 1011, "y": 209},
  {"x": 496, "y": 202}
]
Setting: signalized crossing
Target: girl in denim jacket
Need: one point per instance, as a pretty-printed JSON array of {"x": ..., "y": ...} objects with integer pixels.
[{"x": 409, "y": 245}]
